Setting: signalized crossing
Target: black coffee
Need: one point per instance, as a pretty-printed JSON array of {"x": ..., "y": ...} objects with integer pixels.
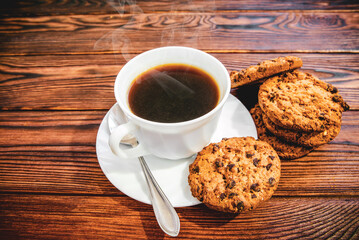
[{"x": 173, "y": 93}]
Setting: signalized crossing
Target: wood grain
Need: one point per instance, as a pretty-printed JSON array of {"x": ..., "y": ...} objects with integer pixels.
[
  {"x": 84, "y": 82},
  {"x": 54, "y": 152},
  {"x": 79, "y": 217},
  {"x": 58, "y": 63},
  {"x": 68, "y": 7},
  {"x": 225, "y": 31}
]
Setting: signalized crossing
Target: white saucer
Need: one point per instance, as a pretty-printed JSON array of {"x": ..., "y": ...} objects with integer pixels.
[{"x": 126, "y": 174}]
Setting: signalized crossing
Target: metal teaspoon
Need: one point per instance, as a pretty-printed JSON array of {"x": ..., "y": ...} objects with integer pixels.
[{"x": 166, "y": 215}]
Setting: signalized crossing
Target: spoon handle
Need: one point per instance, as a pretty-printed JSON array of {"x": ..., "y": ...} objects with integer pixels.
[{"x": 166, "y": 215}]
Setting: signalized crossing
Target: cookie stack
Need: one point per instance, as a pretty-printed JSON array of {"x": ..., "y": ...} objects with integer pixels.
[
  {"x": 285, "y": 150},
  {"x": 300, "y": 109},
  {"x": 296, "y": 111}
]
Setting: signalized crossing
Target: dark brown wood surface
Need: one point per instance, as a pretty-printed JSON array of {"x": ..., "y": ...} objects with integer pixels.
[
  {"x": 211, "y": 31},
  {"x": 58, "y": 63}
]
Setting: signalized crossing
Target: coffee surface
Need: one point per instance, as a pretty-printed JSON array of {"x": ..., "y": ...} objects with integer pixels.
[{"x": 173, "y": 93}]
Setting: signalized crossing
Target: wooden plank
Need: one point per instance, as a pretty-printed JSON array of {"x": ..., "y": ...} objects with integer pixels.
[
  {"x": 54, "y": 152},
  {"x": 331, "y": 170},
  {"x": 225, "y": 31},
  {"x": 41, "y": 8},
  {"x": 86, "y": 81},
  {"x": 80, "y": 217}
]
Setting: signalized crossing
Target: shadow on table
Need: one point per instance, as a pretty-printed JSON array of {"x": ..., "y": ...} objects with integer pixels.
[
  {"x": 145, "y": 214},
  {"x": 204, "y": 217},
  {"x": 198, "y": 217}
]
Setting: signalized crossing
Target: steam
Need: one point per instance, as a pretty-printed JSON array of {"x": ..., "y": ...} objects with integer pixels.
[
  {"x": 178, "y": 26},
  {"x": 121, "y": 5},
  {"x": 118, "y": 39},
  {"x": 182, "y": 24},
  {"x": 172, "y": 86}
]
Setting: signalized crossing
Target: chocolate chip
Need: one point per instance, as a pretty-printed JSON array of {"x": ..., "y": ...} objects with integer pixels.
[
  {"x": 345, "y": 106},
  {"x": 249, "y": 155},
  {"x": 218, "y": 163},
  {"x": 230, "y": 166},
  {"x": 254, "y": 196},
  {"x": 255, "y": 147},
  {"x": 222, "y": 196},
  {"x": 272, "y": 157},
  {"x": 255, "y": 187},
  {"x": 321, "y": 116},
  {"x": 240, "y": 206},
  {"x": 261, "y": 69},
  {"x": 215, "y": 148},
  {"x": 231, "y": 184},
  {"x": 336, "y": 98},
  {"x": 271, "y": 181},
  {"x": 231, "y": 195},
  {"x": 331, "y": 88},
  {"x": 195, "y": 169},
  {"x": 271, "y": 97},
  {"x": 268, "y": 166},
  {"x": 255, "y": 162}
]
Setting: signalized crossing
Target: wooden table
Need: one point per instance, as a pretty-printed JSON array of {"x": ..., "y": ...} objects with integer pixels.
[{"x": 58, "y": 63}]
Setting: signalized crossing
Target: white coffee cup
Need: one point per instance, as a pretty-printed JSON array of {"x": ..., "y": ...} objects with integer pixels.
[{"x": 167, "y": 140}]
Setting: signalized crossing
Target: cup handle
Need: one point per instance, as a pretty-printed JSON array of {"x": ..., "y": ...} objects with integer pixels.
[{"x": 120, "y": 133}]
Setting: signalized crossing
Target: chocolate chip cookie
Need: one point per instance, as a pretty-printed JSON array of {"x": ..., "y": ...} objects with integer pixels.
[
  {"x": 284, "y": 149},
  {"x": 308, "y": 139},
  {"x": 299, "y": 101},
  {"x": 235, "y": 175},
  {"x": 263, "y": 70}
]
